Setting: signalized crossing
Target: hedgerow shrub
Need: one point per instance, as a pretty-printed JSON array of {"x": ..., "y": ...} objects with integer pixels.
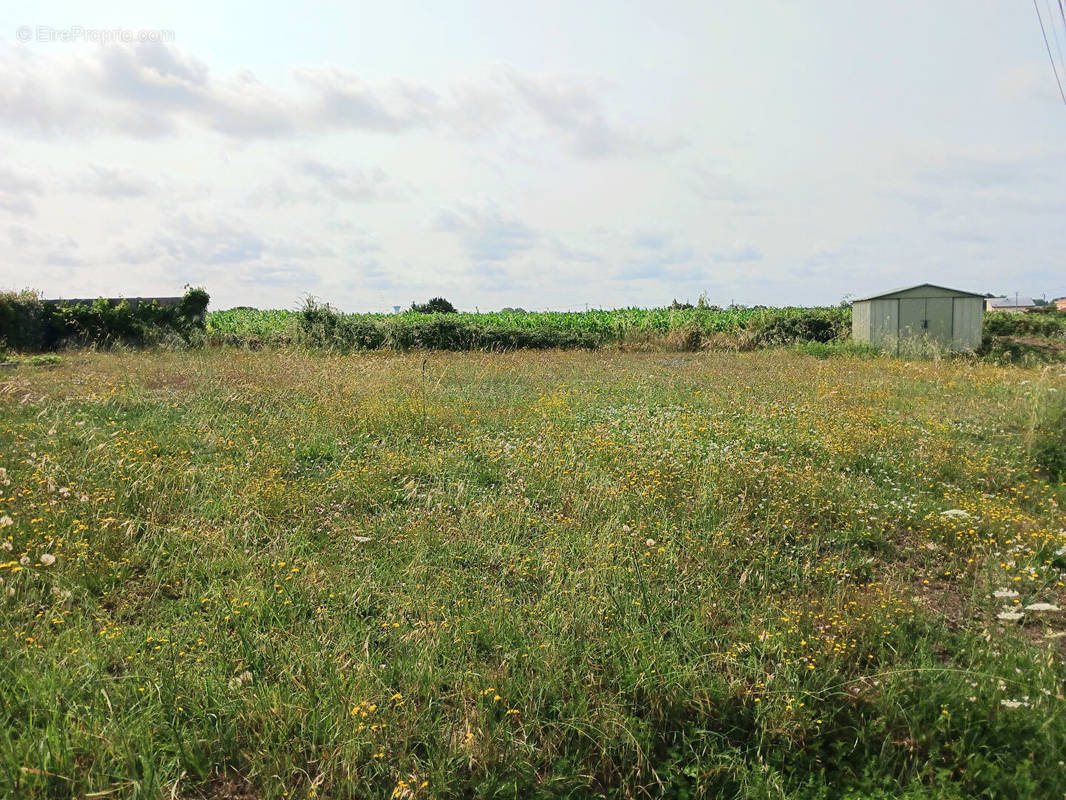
[
  {"x": 322, "y": 326},
  {"x": 1002, "y": 323},
  {"x": 25, "y": 321},
  {"x": 445, "y": 333},
  {"x": 29, "y": 324},
  {"x": 815, "y": 325}
]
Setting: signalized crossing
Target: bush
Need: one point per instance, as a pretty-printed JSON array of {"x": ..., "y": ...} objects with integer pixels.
[
  {"x": 193, "y": 306},
  {"x": 1047, "y": 324},
  {"x": 821, "y": 325},
  {"x": 322, "y": 326},
  {"x": 25, "y": 321},
  {"x": 494, "y": 338},
  {"x": 442, "y": 333}
]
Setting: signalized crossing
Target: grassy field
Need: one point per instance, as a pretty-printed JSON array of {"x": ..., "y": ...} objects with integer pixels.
[{"x": 273, "y": 574}]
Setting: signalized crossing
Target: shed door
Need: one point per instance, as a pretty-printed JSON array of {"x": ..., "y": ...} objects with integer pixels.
[
  {"x": 911, "y": 316},
  {"x": 938, "y": 313}
]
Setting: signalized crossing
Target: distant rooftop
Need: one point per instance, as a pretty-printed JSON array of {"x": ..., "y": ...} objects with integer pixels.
[{"x": 1011, "y": 302}]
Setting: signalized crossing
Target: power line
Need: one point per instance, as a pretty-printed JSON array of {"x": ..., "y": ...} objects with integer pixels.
[
  {"x": 1055, "y": 31},
  {"x": 1054, "y": 68},
  {"x": 1054, "y": 26}
]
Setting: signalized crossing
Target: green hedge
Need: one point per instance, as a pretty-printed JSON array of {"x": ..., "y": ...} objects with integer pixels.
[
  {"x": 1043, "y": 323},
  {"x": 29, "y": 324},
  {"x": 816, "y": 325},
  {"x": 321, "y": 326}
]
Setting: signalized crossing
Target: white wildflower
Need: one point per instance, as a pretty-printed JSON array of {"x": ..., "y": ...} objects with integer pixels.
[
  {"x": 1004, "y": 592},
  {"x": 241, "y": 680},
  {"x": 1009, "y": 616},
  {"x": 955, "y": 512},
  {"x": 1042, "y": 607},
  {"x": 64, "y": 491},
  {"x": 361, "y": 539},
  {"x": 1013, "y": 703}
]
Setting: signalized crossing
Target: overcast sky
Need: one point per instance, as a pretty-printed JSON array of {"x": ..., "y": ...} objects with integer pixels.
[{"x": 537, "y": 154}]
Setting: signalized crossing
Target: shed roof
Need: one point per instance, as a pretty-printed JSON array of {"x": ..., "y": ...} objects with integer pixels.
[{"x": 902, "y": 289}]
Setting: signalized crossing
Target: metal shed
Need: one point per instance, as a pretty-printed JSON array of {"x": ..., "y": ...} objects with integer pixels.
[{"x": 949, "y": 317}]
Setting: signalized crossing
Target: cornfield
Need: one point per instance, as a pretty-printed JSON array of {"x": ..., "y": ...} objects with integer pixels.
[{"x": 603, "y": 326}]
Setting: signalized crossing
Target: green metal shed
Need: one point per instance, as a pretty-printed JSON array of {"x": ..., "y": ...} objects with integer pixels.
[{"x": 948, "y": 317}]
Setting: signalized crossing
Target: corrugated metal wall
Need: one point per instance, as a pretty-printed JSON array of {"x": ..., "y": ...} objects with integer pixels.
[
  {"x": 969, "y": 318},
  {"x": 860, "y": 322},
  {"x": 884, "y": 323}
]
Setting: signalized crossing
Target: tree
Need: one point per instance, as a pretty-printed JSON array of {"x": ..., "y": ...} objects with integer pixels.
[
  {"x": 437, "y": 305},
  {"x": 194, "y": 302}
]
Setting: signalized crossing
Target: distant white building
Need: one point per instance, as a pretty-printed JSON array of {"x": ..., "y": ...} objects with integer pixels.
[{"x": 1013, "y": 304}]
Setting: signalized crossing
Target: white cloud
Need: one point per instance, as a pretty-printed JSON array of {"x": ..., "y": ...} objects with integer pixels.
[
  {"x": 487, "y": 234},
  {"x": 18, "y": 189},
  {"x": 115, "y": 182}
]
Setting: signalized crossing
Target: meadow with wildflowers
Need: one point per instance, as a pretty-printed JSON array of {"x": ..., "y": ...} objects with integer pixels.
[{"x": 278, "y": 574}]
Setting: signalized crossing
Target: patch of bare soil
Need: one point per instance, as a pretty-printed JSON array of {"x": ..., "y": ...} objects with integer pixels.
[
  {"x": 225, "y": 787},
  {"x": 1055, "y": 345}
]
